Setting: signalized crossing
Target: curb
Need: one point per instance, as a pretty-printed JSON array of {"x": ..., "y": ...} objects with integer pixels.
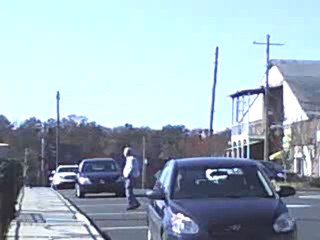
[{"x": 95, "y": 233}]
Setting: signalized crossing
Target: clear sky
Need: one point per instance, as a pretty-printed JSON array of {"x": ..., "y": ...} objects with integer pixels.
[{"x": 144, "y": 62}]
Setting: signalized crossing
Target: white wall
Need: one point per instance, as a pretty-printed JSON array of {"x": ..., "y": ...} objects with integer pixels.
[
  {"x": 256, "y": 110},
  {"x": 292, "y": 109},
  {"x": 275, "y": 77}
]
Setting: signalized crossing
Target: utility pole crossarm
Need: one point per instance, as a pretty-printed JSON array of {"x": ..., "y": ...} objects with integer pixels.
[{"x": 266, "y": 94}]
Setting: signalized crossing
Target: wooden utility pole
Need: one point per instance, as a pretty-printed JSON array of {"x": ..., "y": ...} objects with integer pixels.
[
  {"x": 144, "y": 162},
  {"x": 58, "y": 129},
  {"x": 266, "y": 95},
  {"x": 214, "y": 89}
]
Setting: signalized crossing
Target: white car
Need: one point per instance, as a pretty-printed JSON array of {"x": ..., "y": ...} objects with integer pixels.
[{"x": 64, "y": 176}]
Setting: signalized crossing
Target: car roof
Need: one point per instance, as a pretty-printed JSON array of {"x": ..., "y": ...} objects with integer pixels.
[
  {"x": 97, "y": 159},
  {"x": 214, "y": 162}
]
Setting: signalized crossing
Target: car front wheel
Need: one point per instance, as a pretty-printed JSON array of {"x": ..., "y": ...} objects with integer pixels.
[{"x": 78, "y": 191}]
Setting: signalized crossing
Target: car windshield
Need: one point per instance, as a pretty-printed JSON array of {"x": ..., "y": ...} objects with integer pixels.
[
  {"x": 68, "y": 169},
  {"x": 101, "y": 166},
  {"x": 221, "y": 182}
]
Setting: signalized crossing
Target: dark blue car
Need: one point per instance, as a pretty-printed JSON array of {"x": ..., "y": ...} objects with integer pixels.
[
  {"x": 98, "y": 175},
  {"x": 215, "y": 199}
]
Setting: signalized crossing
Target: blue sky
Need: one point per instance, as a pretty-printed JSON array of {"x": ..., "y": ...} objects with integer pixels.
[{"x": 148, "y": 63}]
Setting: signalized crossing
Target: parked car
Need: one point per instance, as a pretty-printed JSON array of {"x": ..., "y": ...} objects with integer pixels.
[
  {"x": 215, "y": 199},
  {"x": 64, "y": 176},
  {"x": 274, "y": 170},
  {"x": 98, "y": 175}
]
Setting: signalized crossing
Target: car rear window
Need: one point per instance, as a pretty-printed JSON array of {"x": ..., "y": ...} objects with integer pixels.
[
  {"x": 100, "y": 166},
  {"x": 68, "y": 169}
]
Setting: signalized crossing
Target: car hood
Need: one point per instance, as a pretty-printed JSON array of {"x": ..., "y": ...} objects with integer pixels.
[{"x": 230, "y": 211}]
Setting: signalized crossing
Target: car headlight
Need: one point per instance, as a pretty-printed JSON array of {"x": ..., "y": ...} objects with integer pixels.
[
  {"x": 284, "y": 223},
  {"x": 182, "y": 224},
  {"x": 84, "y": 180}
]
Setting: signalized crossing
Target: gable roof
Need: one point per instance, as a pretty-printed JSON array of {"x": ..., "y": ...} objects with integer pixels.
[{"x": 303, "y": 77}]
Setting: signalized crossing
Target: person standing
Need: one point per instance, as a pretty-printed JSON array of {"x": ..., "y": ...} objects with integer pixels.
[{"x": 130, "y": 172}]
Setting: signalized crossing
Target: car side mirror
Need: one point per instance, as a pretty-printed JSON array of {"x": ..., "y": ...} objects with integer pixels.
[
  {"x": 53, "y": 172},
  {"x": 286, "y": 191},
  {"x": 156, "y": 194}
]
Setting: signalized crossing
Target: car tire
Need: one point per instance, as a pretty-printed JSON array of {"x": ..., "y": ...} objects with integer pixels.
[{"x": 78, "y": 192}]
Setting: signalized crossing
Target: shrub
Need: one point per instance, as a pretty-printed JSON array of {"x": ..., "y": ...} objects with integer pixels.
[{"x": 11, "y": 182}]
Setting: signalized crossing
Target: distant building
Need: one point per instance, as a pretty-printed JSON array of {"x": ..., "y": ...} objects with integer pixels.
[{"x": 294, "y": 114}]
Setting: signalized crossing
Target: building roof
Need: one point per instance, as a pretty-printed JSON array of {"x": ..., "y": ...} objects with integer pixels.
[
  {"x": 247, "y": 92},
  {"x": 303, "y": 77}
]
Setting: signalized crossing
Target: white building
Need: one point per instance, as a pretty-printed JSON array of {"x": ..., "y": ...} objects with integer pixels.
[{"x": 294, "y": 97}]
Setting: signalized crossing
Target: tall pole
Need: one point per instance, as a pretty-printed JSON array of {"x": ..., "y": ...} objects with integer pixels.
[
  {"x": 214, "y": 90},
  {"x": 266, "y": 96},
  {"x": 58, "y": 129},
  {"x": 25, "y": 165},
  {"x": 144, "y": 162},
  {"x": 42, "y": 156}
]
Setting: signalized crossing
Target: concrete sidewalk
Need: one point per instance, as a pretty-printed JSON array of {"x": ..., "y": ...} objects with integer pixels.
[{"x": 44, "y": 214}]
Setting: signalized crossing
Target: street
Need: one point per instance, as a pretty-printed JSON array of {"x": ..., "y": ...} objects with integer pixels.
[{"x": 109, "y": 215}]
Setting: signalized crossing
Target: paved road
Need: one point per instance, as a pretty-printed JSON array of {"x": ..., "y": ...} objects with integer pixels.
[{"x": 110, "y": 216}]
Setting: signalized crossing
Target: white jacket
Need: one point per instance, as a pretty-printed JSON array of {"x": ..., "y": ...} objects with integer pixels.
[{"x": 131, "y": 167}]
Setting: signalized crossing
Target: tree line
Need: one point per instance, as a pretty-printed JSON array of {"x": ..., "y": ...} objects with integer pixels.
[{"x": 81, "y": 138}]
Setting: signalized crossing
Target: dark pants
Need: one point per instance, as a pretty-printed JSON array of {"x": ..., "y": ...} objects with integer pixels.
[{"x": 131, "y": 199}]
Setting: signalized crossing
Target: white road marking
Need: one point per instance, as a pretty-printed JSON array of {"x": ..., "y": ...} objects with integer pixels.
[
  {"x": 124, "y": 228},
  {"x": 298, "y": 205},
  {"x": 310, "y": 197},
  {"x": 116, "y": 213}
]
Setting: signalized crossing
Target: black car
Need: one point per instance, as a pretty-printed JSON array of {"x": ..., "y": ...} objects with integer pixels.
[
  {"x": 99, "y": 175},
  {"x": 215, "y": 199}
]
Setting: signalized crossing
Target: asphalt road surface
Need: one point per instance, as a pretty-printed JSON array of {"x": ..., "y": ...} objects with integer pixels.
[{"x": 109, "y": 215}]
